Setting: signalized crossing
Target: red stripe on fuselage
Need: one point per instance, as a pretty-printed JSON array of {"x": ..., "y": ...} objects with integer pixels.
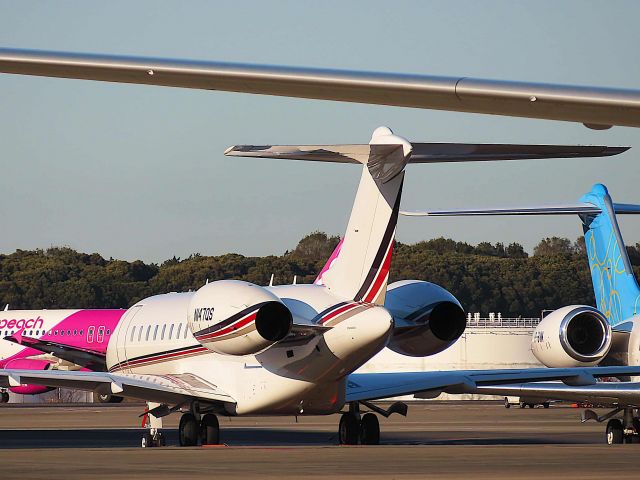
[
  {"x": 382, "y": 275},
  {"x": 231, "y": 328},
  {"x": 337, "y": 312},
  {"x": 159, "y": 357}
]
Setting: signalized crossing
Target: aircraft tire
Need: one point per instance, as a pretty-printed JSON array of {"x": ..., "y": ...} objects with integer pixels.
[
  {"x": 369, "y": 430},
  {"x": 506, "y": 403},
  {"x": 5, "y": 397},
  {"x": 210, "y": 430},
  {"x": 147, "y": 440},
  {"x": 349, "y": 429},
  {"x": 107, "y": 398},
  {"x": 615, "y": 432},
  {"x": 188, "y": 430}
]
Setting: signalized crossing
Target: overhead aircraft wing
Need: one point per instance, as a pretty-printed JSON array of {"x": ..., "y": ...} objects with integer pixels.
[
  {"x": 80, "y": 356},
  {"x": 372, "y": 386},
  {"x": 543, "y": 209},
  {"x": 596, "y": 107},
  {"x": 169, "y": 389}
]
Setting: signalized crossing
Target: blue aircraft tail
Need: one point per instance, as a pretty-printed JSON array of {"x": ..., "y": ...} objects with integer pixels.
[{"x": 615, "y": 287}]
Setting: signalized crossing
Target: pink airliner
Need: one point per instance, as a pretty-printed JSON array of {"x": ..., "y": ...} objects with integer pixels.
[{"x": 55, "y": 339}]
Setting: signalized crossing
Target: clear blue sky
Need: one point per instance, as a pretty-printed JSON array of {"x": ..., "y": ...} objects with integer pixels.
[{"x": 138, "y": 172}]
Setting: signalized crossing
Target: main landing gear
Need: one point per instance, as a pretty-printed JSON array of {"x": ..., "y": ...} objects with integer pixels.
[
  {"x": 107, "y": 398},
  {"x": 194, "y": 428},
  {"x": 364, "y": 429},
  {"x": 193, "y": 432},
  {"x": 4, "y": 396},
  {"x": 624, "y": 430}
]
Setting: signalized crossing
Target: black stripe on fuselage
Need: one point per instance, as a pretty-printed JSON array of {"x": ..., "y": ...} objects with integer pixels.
[
  {"x": 387, "y": 238},
  {"x": 150, "y": 356},
  {"x": 326, "y": 311},
  {"x": 230, "y": 320}
]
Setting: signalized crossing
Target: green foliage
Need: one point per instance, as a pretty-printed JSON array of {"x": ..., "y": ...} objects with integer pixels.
[{"x": 485, "y": 278}]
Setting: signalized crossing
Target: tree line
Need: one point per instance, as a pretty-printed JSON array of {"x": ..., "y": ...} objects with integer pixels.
[{"x": 485, "y": 278}]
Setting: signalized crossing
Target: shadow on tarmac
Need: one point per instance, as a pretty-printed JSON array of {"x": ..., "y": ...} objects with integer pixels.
[{"x": 123, "y": 438}]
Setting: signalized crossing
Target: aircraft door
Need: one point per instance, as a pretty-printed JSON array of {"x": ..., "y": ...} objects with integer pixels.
[{"x": 125, "y": 332}]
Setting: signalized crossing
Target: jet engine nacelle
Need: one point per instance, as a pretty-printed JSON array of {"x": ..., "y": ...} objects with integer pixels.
[
  {"x": 237, "y": 318},
  {"x": 28, "y": 364},
  {"x": 572, "y": 336},
  {"x": 428, "y": 319}
]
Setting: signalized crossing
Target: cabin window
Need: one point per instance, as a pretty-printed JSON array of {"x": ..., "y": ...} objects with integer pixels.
[
  {"x": 164, "y": 327},
  {"x": 148, "y": 330},
  {"x": 62, "y": 333},
  {"x": 178, "y": 332},
  {"x": 108, "y": 331},
  {"x": 186, "y": 331},
  {"x": 133, "y": 332},
  {"x": 140, "y": 334},
  {"x": 75, "y": 332},
  {"x": 155, "y": 333},
  {"x": 171, "y": 332},
  {"x": 100, "y": 336},
  {"x": 81, "y": 332}
]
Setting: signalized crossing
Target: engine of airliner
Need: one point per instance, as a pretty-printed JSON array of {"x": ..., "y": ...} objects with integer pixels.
[
  {"x": 28, "y": 364},
  {"x": 572, "y": 336},
  {"x": 237, "y": 318},
  {"x": 428, "y": 319}
]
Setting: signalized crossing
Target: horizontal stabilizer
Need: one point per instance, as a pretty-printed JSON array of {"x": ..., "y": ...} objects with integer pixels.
[
  {"x": 581, "y": 208},
  {"x": 422, "y": 152}
]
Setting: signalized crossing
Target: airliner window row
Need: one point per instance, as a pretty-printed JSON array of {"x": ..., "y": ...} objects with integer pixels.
[
  {"x": 62, "y": 333},
  {"x": 156, "y": 328}
]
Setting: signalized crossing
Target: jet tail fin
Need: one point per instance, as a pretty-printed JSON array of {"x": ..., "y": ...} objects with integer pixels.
[
  {"x": 614, "y": 284},
  {"x": 359, "y": 269}
]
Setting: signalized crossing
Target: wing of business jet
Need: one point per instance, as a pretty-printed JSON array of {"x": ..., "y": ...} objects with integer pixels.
[
  {"x": 596, "y": 107},
  {"x": 170, "y": 389},
  {"x": 602, "y": 393},
  {"x": 176, "y": 389},
  {"x": 372, "y": 386}
]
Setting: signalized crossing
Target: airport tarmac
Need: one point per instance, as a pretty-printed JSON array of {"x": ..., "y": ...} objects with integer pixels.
[{"x": 436, "y": 440}]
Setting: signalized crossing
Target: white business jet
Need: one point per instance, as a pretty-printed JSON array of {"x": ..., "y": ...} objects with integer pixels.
[{"x": 235, "y": 348}]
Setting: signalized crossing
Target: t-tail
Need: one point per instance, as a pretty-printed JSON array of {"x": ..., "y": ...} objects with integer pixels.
[
  {"x": 359, "y": 268},
  {"x": 614, "y": 284}
]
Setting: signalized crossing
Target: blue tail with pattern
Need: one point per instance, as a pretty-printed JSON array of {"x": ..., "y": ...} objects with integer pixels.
[{"x": 614, "y": 284}]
